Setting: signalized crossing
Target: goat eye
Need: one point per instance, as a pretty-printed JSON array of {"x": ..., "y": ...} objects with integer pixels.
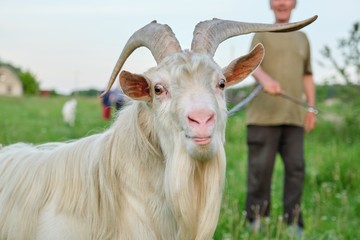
[
  {"x": 158, "y": 88},
  {"x": 221, "y": 84}
]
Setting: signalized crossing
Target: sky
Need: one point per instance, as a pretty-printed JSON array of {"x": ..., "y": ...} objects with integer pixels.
[{"x": 74, "y": 44}]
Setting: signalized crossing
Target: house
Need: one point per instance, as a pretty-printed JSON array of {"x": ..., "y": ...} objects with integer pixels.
[{"x": 10, "y": 84}]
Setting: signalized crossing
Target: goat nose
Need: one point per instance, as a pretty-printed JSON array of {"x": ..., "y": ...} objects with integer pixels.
[{"x": 204, "y": 118}]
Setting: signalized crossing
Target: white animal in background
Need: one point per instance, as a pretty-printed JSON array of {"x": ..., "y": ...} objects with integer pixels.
[
  {"x": 69, "y": 111},
  {"x": 158, "y": 172}
]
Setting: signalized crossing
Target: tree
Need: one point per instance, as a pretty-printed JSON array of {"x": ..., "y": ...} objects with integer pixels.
[
  {"x": 348, "y": 66},
  {"x": 30, "y": 85}
]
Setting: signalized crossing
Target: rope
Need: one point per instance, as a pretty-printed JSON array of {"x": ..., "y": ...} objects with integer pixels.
[
  {"x": 256, "y": 92},
  {"x": 246, "y": 100}
]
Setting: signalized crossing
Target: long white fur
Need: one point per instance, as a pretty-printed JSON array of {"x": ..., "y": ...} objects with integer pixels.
[{"x": 136, "y": 180}]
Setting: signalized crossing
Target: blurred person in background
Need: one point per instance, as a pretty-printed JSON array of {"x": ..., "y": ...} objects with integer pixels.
[
  {"x": 276, "y": 125},
  {"x": 106, "y": 105}
]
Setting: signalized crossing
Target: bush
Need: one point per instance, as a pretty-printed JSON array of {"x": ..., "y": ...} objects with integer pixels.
[{"x": 30, "y": 84}]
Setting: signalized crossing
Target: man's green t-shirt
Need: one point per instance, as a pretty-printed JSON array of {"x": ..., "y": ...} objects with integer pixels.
[{"x": 287, "y": 60}]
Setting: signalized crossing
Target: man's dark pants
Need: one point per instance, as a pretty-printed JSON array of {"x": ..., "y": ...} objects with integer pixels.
[{"x": 264, "y": 142}]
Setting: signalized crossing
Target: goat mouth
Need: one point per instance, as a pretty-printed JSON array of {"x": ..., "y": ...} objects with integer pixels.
[{"x": 200, "y": 140}]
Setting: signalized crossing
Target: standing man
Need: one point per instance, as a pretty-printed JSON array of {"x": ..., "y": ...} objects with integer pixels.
[{"x": 276, "y": 125}]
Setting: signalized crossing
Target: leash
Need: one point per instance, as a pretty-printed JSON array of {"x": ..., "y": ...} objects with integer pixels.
[
  {"x": 301, "y": 103},
  {"x": 256, "y": 92},
  {"x": 246, "y": 100}
]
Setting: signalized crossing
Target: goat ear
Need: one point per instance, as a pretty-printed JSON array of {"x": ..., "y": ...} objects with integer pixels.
[
  {"x": 135, "y": 86},
  {"x": 243, "y": 66}
]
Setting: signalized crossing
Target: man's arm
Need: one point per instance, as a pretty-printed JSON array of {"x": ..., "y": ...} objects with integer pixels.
[
  {"x": 309, "y": 90},
  {"x": 270, "y": 85}
]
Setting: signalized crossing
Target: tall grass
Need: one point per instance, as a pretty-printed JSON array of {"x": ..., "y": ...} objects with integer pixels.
[{"x": 331, "y": 200}]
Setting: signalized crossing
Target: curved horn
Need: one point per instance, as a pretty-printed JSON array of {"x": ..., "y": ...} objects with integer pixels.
[
  {"x": 209, "y": 34},
  {"x": 158, "y": 38}
]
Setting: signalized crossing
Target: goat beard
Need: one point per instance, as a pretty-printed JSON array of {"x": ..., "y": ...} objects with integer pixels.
[{"x": 194, "y": 191}]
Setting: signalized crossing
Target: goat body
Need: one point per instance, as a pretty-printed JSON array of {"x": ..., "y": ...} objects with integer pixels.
[{"x": 157, "y": 173}]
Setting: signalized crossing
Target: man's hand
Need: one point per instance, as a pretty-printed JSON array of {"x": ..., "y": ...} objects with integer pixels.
[
  {"x": 272, "y": 87},
  {"x": 310, "y": 121}
]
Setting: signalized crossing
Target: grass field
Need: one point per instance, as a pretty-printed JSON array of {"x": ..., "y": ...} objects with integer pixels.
[{"x": 331, "y": 201}]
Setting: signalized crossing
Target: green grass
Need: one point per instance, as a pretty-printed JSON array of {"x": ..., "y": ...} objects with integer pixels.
[
  {"x": 39, "y": 119},
  {"x": 331, "y": 200}
]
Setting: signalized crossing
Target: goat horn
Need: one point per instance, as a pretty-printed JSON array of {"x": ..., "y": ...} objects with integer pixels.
[
  {"x": 158, "y": 38},
  {"x": 209, "y": 34}
]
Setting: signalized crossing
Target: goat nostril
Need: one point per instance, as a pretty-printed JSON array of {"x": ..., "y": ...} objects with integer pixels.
[
  {"x": 192, "y": 120},
  {"x": 211, "y": 119}
]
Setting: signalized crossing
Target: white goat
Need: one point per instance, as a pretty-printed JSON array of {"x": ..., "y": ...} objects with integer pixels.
[
  {"x": 158, "y": 172},
  {"x": 69, "y": 111}
]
